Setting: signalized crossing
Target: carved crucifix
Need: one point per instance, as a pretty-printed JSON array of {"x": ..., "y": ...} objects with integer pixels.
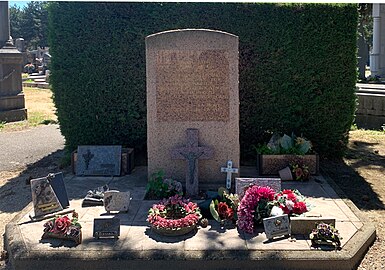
[
  {"x": 229, "y": 170},
  {"x": 192, "y": 152}
]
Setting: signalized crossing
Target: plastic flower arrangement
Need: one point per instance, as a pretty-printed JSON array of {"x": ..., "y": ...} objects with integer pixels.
[
  {"x": 291, "y": 202},
  {"x": 300, "y": 172},
  {"x": 285, "y": 145},
  {"x": 255, "y": 205},
  {"x": 225, "y": 207},
  {"x": 174, "y": 213},
  {"x": 325, "y": 234},
  {"x": 64, "y": 228}
]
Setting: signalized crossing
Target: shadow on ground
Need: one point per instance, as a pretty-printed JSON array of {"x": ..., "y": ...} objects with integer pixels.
[
  {"x": 15, "y": 194},
  {"x": 360, "y": 155}
]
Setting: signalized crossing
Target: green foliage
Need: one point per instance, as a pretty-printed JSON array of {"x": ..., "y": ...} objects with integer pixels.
[
  {"x": 285, "y": 145},
  {"x": 2, "y": 125},
  {"x": 297, "y": 68},
  {"x": 158, "y": 187},
  {"x": 30, "y": 23}
]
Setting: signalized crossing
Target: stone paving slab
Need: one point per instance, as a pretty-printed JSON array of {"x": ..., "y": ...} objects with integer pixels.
[{"x": 206, "y": 247}]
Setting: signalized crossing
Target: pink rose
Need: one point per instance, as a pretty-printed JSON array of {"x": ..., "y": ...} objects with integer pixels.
[{"x": 61, "y": 224}]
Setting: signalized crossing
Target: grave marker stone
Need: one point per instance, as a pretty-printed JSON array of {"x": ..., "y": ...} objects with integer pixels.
[
  {"x": 101, "y": 160},
  {"x": 277, "y": 226},
  {"x": 192, "y": 82},
  {"x": 44, "y": 198},
  {"x": 116, "y": 201},
  {"x": 241, "y": 184},
  {"x": 229, "y": 170},
  {"x": 107, "y": 226}
]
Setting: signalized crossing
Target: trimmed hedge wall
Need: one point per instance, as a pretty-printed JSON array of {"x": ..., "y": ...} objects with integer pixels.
[{"x": 297, "y": 68}]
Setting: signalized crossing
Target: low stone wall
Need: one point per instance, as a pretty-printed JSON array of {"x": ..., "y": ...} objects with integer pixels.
[{"x": 371, "y": 106}]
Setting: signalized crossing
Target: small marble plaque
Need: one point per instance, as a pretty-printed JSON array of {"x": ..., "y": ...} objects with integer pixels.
[
  {"x": 107, "y": 226},
  {"x": 101, "y": 160},
  {"x": 117, "y": 201},
  {"x": 277, "y": 226},
  {"x": 241, "y": 184},
  {"x": 44, "y": 198}
]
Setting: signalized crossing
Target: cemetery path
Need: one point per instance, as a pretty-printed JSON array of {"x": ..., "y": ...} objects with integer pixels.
[{"x": 20, "y": 148}]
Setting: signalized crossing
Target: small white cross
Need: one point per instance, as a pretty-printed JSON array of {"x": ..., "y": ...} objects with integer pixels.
[{"x": 229, "y": 170}]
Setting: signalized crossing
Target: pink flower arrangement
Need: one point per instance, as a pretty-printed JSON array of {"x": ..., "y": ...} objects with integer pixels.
[
  {"x": 173, "y": 213},
  {"x": 291, "y": 202},
  {"x": 255, "y": 205}
]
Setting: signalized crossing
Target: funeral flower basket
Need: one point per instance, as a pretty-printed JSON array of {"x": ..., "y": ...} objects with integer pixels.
[
  {"x": 224, "y": 208},
  {"x": 255, "y": 205},
  {"x": 62, "y": 227},
  {"x": 174, "y": 216},
  {"x": 291, "y": 202},
  {"x": 325, "y": 234}
]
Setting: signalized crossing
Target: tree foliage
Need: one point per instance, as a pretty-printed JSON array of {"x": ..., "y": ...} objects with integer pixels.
[
  {"x": 297, "y": 68},
  {"x": 30, "y": 23}
]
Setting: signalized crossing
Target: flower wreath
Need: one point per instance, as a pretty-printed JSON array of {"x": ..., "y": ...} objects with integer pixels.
[
  {"x": 254, "y": 206},
  {"x": 174, "y": 213}
]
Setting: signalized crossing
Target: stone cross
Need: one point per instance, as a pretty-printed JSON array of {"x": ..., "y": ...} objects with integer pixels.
[
  {"x": 192, "y": 152},
  {"x": 229, "y": 170}
]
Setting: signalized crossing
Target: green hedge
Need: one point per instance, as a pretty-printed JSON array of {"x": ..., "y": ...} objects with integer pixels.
[{"x": 297, "y": 67}]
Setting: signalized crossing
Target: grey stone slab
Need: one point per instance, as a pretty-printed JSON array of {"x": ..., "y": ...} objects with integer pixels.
[
  {"x": 143, "y": 238},
  {"x": 241, "y": 184},
  {"x": 141, "y": 216},
  {"x": 98, "y": 160},
  {"x": 322, "y": 208},
  {"x": 346, "y": 230},
  {"x": 260, "y": 242},
  {"x": 116, "y": 201},
  {"x": 215, "y": 238}
]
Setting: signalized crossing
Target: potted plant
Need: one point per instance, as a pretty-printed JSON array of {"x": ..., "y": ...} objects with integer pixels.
[
  {"x": 224, "y": 208},
  {"x": 159, "y": 187},
  {"x": 325, "y": 234},
  {"x": 174, "y": 216},
  {"x": 281, "y": 151}
]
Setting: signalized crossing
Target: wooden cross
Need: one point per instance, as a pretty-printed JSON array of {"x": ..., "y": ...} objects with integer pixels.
[
  {"x": 192, "y": 152},
  {"x": 229, "y": 170}
]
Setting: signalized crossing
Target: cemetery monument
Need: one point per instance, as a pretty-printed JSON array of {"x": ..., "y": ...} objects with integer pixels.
[
  {"x": 12, "y": 104},
  {"x": 192, "y": 90}
]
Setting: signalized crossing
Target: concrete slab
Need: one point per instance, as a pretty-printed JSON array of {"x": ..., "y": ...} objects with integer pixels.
[{"x": 138, "y": 247}]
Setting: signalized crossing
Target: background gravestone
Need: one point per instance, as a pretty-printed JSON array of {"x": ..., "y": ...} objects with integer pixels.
[
  {"x": 192, "y": 82},
  {"x": 102, "y": 160}
]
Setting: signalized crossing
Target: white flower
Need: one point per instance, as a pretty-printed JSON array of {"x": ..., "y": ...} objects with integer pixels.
[{"x": 276, "y": 211}]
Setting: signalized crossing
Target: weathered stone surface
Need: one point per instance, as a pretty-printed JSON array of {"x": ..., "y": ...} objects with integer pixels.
[
  {"x": 117, "y": 201},
  {"x": 99, "y": 160},
  {"x": 272, "y": 164},
  {"x": 192, "y": 82},
  {"x": 304, "y": 225}
]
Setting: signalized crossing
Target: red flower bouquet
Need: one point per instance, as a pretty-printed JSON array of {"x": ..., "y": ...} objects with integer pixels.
[
  {"x": 63, "y": 227},
  {"x": 291, "y": 202},
  {"x": 224, "y": 208},
  {"x": 255, "y": 205},
  {"x": 174, "y": 216}
]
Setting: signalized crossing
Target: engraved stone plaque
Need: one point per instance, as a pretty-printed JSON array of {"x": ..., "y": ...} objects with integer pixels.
[
  {"x": 102, "y": 160},
  {"x": 277, "y": 226},
  {"x": 241, "y": 184},
  {"x": 107, "y": 226},
  {"x": 44, "y": 198},
  {"x": 117, "y": 201},
  {"x": 192, "y": 85}
]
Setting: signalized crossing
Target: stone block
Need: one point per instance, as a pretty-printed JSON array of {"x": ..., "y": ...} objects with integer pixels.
[
  {"x": 304, "y": 225},
  {"x": 192, "y": 83},
  {"x": 272, "y": 164}
]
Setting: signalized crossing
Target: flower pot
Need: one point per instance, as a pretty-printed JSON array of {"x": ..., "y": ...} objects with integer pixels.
[
  {"x": 285, "y": 174},
  {"x": 272, "y": 164},
  {"x": 173, "y": 232}
]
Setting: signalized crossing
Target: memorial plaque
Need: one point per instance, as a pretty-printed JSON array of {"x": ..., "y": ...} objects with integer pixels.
[
  {"x": 107, "y": 226},
  {"x": 57, "y": 183},
  {"x": 99, "y": 160},
  {"x": 277, "y": 226},
  {"x": 192, "y": 85},
  {"x": 117, "y": 201},
  {"x": 44, "y": 198},
  {"x": 241, "y": 184},
  {"x": 305, "y": 224}
]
